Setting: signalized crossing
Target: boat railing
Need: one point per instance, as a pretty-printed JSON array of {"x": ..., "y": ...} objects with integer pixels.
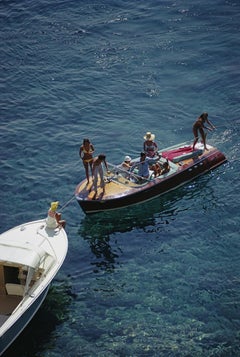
[
  {"x": 117, "y": 173},
  {"x": 125, "y": 177}
]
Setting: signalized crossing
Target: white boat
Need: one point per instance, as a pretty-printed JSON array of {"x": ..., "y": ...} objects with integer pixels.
[{"x": 30, "y": 256}]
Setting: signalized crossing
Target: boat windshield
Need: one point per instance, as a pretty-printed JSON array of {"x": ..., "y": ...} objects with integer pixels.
[
  {"x": 131, "y": 177},
  {"x": 118, "y": 174}
]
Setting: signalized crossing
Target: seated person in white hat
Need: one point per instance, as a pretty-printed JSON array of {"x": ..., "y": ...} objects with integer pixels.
[
  {"x": 126, "y": 164},
  {"x": 150, "y": 146}
]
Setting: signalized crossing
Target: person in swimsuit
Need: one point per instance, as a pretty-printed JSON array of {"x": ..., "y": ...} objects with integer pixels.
[
  {"x": 198, "y": 126},
  {"x": 150, "y": 146},
  {"x": 98, "y": 170},
  {"x": 86, "y": 154}
]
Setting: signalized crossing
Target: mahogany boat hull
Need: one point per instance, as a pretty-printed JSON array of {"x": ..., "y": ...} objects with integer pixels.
[{"x": 185, "y": 170}]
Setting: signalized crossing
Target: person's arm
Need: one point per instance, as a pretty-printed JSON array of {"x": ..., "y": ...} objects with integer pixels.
[
  {"x": 105, "y": 163},
  {"x": 211, "y": 125},
  {"x": 80, "y": 151}
]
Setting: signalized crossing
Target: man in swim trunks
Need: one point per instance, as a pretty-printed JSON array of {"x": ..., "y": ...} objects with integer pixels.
[
  {"x": 198, "y": 126},
  {"x": 98, "y": 171}
]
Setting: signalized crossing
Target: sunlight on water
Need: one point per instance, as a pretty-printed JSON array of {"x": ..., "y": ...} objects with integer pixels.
[{"x": 156, "y": 279}]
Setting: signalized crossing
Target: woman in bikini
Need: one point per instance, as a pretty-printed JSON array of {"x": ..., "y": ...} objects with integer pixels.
[
  {"x": 198, "y": 126},
  {"x": 86, "y": 154}
]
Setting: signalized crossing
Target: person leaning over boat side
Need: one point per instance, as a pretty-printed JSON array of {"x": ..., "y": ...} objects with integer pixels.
[
  {"x": 86, "y": 154},
  {"x": 126, "y": 164},
  {"x": 150, "y": 147},
  {"x": 198, "y": 126},
  {"x": 143, "y": 166},
  {"x": 98, "y": 170}
]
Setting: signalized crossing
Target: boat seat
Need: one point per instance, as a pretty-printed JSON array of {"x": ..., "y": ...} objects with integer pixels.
[
  {"x": 180, "y": 154},
  {"x": 14, "y": 289}
]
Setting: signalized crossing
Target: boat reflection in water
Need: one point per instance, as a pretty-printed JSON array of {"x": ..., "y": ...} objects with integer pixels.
[{"x": 102, "y": 230}]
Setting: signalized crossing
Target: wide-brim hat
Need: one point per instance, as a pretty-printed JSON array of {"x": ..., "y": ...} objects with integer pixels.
[{"x": 149, "y": 136}]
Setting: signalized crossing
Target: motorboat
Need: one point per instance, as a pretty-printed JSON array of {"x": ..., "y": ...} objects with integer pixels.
[
  {"x": 125, "y": 187},
  {"x": 30, "y": 256}
]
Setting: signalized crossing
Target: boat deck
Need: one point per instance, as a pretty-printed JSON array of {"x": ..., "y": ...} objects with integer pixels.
[
  {"x": 174, "y": 166},
  {"x": 8, "y": 303},
  {"x": 118, "y": 183}
]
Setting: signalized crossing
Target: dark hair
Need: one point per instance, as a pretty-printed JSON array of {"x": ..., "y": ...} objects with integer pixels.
[
  {"x": 143, "y": 153},
  {"x": 203, "y": 115},
  {"x": 86, "y": 140},
  {"x": 102, "y": 157}
]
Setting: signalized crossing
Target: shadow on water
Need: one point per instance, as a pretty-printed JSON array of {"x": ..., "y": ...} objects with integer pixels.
[
  {"x": 38, "y": 332},
  {"x": 166, "y": 207},
  {"x": 101, "y": 230}
]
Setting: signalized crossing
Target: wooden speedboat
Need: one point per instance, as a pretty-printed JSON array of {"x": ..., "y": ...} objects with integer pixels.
[
  {"x": 30, "y": 256},
  {"x": 124, "y": 188}
]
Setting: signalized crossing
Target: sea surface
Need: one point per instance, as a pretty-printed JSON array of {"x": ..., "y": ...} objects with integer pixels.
[{"x": 161, "y": 278}]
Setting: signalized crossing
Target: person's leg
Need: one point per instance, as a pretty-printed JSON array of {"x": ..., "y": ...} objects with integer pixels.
[
  {"x": 95, "y": 178},
  {"x": 86, "y": 170},
  {"x": 203, "y": 135},
  {"x": 91, "y": 167},
  {"x": 102, "y": 183},
  {"x": 195, "y": 133}
]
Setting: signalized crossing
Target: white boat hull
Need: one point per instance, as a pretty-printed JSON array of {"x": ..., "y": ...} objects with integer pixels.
[
  {"x": 39, "y": 251},
  {"x": 14, "y": 331}
]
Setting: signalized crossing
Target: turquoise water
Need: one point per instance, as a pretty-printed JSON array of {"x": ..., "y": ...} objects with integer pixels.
[{"x": 161, "y": 278}]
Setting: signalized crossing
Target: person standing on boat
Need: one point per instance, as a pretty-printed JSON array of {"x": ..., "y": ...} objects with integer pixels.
[
  {"x": 86, "y": 154},
  {"x": 143, "y": 166},
  {"x": 150, "y": 146},
  {"x": 199, "y": 126},
  {"x": 98, "y": 171}
]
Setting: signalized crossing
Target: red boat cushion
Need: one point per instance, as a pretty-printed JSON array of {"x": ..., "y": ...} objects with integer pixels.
[{"x": 179, "y": 154}]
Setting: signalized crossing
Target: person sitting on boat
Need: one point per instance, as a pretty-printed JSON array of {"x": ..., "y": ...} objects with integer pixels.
[
  {"x": 198, "y": 126},
  {"x": 126, "y": 164},
  {"x": 156, "y": 168},
  {"x": 165, "y": 168},
  {"x": 86, "y": 154},
  {"x": 143, "y": 166},
  {"x": 54, "y": 218},
  {"x": 160, "y": 169},
  {"x": 150, "y": 147},
  {"x": 98, "y": 170}
]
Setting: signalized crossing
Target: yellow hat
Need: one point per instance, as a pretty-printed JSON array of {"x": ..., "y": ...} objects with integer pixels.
[{"x": 54, "y": 206}]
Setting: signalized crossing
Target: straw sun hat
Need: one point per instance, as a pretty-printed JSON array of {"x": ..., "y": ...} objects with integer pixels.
[{"x": 149, "y": 136}]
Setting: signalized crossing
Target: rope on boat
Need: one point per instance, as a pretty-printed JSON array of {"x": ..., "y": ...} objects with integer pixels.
[{"x": 67, "y": 203}]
